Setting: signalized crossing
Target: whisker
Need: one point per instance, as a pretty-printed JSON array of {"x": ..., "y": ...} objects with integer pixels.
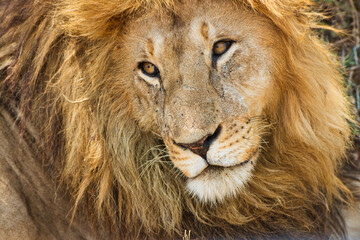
[{"x": 154, "y": 148}]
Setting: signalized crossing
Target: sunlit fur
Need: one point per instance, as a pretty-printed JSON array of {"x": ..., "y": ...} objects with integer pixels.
[{"x": 55, "y": 61}]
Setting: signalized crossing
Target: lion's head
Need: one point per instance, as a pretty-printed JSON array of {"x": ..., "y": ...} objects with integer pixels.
[
  {"x": 224, "y": 117},
  {"x": 204, "y": 83}
]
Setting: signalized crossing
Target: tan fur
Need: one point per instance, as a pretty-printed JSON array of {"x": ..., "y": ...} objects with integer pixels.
[{"x": 102, "y": 126}]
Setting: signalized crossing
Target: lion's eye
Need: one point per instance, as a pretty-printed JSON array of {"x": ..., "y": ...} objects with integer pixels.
[
  {"x": 149, "y": 69},
  {"x": 221, "y": 47}
]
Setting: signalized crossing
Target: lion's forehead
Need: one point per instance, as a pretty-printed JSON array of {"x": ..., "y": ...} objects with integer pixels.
[
  {"x": 180, "y": 43},
  {"x": 185, "y": 28}
]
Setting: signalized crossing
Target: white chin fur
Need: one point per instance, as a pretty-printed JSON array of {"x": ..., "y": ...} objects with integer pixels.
[{"x": 214, "y": 185}]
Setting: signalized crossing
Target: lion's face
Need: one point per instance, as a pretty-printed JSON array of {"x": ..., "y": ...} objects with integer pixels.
[{"x": 202, "y": 80}]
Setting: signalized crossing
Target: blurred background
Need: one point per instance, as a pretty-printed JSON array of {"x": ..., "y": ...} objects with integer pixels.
[{"x": 345, "y": 15}]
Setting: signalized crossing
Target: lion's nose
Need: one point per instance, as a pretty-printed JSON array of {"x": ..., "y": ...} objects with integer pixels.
[{"x": 202, "y": 146}]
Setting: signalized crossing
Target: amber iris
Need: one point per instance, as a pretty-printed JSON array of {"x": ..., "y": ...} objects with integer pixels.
[
  {"x": 149, "y": 69},
  {"x": 221, "y": 47}
]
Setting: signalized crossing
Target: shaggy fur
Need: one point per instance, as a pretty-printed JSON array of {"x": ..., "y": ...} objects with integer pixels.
[{"x": 56, "y": 71}]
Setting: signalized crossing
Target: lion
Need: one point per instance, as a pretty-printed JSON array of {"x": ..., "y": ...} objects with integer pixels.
[{"x": 147, "y": 119}]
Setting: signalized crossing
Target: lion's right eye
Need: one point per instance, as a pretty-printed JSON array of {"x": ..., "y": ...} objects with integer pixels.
[{"x": 149, "y": 69}]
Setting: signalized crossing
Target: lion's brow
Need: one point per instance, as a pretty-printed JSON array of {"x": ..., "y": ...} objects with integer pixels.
[
  {"x": 150, "y": 47},
  {"x": 205, "y": 30}
]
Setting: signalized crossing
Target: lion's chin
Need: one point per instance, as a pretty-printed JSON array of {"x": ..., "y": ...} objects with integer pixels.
[{"x": 215, "y": 184}]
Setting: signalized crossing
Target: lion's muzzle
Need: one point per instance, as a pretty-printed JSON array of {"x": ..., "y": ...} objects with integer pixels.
[{"x": 233, "y": 143}]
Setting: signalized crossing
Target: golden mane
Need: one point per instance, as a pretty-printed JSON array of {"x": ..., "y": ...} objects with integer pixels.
[{"x": 59, "y": 69}]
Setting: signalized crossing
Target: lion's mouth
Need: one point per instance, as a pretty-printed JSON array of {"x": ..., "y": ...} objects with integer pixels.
[
  {"x": 215, "y": 183},
  {"x": 213, "y": 169}
]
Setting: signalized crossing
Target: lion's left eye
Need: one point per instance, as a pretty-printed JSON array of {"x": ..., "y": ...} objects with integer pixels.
[{"x": 221, "y": 47}]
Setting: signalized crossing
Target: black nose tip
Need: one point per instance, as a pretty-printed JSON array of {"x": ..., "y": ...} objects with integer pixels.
[{"x": 202, "y": 146}]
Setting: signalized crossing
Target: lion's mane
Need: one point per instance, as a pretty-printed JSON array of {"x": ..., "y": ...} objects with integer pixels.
[{"x": 56, "y": 71}]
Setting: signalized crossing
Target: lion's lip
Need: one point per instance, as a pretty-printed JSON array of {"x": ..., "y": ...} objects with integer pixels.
[{"x": 214, "y": 168}]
